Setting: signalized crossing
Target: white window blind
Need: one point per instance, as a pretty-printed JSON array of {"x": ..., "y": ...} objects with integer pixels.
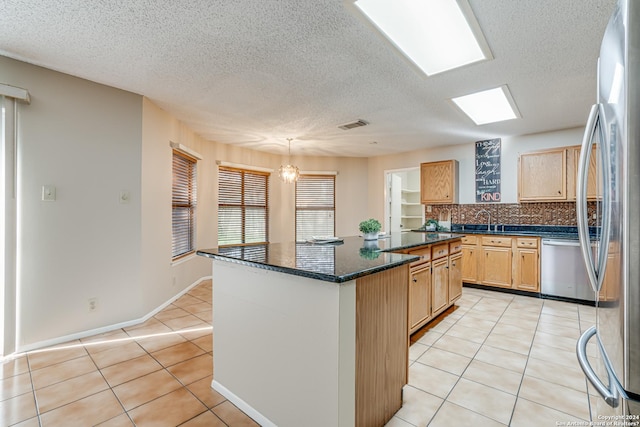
[
  {"x": 315, "y": 206},
  {"x": 243, "y": 206},
  {"x": 183, "y": 201}
]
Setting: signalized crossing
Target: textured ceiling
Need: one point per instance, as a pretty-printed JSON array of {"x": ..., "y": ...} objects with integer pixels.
[{"x": 255, "y": 72}]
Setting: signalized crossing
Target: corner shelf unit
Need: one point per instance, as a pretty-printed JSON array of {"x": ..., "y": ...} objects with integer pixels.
[{"x": 412, "y": 215}]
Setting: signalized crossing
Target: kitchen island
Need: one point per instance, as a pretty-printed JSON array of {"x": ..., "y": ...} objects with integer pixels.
[{"x": 310, "y": 334}]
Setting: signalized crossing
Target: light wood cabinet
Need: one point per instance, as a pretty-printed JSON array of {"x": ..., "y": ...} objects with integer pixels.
[
  {"x": 439, "y": 285},
  {"x": 439, "y": 182},
  {"x": 469, "y": 259},
  {"x": 435, "y": 281},
  {"x": 526, "y": 264},
  {"x": 593, "y": 184},
  {"x": 496, "y": 269},
  {"x": 419, "y": 295},
  {"x": 496, "y": 261},
  {"x": 455, "y": 277},
  {"x": 502, "y": 261},
  {"x": 542, "y": 175}
]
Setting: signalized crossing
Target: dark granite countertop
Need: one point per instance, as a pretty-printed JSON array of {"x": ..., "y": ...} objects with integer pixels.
[
  {"x": 332, "y": 262},
  {"x": 544, "y": 231}
]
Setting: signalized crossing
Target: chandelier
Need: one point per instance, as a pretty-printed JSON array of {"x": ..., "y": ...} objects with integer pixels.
[{"x": 289, "y": 173}]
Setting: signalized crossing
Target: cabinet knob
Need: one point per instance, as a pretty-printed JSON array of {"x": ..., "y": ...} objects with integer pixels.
[
  {"x": 559, "y": 192},
  {"x": 414, "y": 280}
]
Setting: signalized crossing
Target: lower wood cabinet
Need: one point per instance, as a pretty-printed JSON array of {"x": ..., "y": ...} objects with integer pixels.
[
  {"x": 419, "y": 295},
  {"x": 435, "y": 281},
  {"x": 439, "y": 285},
  {"x": 455, "y": 277},
  {"x": 469, "y": 259},
  {"x": 526, "y": 265},
  {"x": 502, "y": 261},
  {"x": 496, "y": 269}
]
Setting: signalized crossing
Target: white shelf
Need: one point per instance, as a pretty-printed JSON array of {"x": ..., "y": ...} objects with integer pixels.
[
  {"x": 412, "y": 216},
  {"x": 411, "y": 204},
  {"x": 406, "y": 190}
]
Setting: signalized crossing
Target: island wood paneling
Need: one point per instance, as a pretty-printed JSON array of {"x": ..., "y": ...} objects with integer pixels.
[{"x": 382, "y": 345}]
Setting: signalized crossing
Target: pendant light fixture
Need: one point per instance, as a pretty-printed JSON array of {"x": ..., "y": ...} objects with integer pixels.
[{"x": 289, "y": 173}]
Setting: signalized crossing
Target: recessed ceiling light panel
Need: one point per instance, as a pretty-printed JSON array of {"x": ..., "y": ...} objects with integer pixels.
[
  {"x": 488, "y": 106},
  {"x": 436, "y": 35}
]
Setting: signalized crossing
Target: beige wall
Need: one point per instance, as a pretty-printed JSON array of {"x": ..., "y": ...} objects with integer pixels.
[{"x": 84, "y": 139}]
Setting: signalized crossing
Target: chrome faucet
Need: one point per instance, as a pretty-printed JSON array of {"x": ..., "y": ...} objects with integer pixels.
[{"x": 488, "y": 218}]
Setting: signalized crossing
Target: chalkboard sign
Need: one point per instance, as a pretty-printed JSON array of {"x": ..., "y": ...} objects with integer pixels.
[{"x": 488, "y": 171}]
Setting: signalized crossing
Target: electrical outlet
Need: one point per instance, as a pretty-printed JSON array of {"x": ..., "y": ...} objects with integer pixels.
[
  {"x": 92, "y": 304},
  {"x": 429, "y": 208}
]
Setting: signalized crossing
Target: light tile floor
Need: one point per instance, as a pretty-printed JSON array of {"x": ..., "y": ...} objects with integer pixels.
[
  {"x": 154, "y": 374},
  {"x": 495, "y": 359},
  {"x": 498, "y": 359}
]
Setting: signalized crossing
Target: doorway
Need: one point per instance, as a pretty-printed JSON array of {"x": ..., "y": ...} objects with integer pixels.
[{"x": 403, "y": 210}]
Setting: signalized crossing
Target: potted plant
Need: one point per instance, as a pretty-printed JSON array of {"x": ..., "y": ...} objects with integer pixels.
[{"x": 370, "y": 229}]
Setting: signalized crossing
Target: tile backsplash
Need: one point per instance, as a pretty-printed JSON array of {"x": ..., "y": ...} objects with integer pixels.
[{"x": 544, "y": 213}]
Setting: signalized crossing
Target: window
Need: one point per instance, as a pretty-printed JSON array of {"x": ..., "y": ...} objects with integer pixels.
[
  {"x": 183, "y": 202},
  {"x": 315, "y": 206},
  {"x": 243, "y": 206}
]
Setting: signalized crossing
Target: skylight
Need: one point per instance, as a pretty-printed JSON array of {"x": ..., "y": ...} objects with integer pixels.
[
  {"x": 488, "y": 106},
  {"x": 436, "y": 35}
]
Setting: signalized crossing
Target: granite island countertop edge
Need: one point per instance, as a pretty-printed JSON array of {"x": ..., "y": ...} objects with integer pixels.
[{"x": 388, "y": 249}]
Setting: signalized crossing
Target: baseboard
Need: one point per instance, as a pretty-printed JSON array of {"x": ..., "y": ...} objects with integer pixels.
[
  {"x": 109, "y": 328},
  {"x": 242, "y": 405}
]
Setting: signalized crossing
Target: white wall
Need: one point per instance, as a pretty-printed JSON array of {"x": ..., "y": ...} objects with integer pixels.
[
  {"x": 465, "y": 154},
  {"x": 84, "y": 139}
]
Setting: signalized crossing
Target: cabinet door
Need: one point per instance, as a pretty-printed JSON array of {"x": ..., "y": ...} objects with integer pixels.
[
  {"x": 542, "y": 175},
  {"x": 455, "y": 277},
  {"x": 496, "y": 269},
  {"x": 438, "y": 182},
  {"x": 419, "y": 296},
  {"x": 526, "y": 268},
  {"x": 469, "y": 264},
  {"x": 439, "y": 285},
  {"x": 594, "y": 186}
]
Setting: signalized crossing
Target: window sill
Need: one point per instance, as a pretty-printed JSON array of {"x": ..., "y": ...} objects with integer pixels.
[{"x": 183, "y": 259}]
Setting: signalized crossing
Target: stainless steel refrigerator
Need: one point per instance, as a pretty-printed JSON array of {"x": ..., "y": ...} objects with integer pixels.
[{"x": 612, "y": 362}]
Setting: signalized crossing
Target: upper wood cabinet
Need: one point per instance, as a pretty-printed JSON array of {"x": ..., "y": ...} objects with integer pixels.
[
  {"x": 573, "y": 158},
  {"x": 551, "y": 175},
  {"x": 542, "y": 175},
  {"x": 439, "y": 182}
]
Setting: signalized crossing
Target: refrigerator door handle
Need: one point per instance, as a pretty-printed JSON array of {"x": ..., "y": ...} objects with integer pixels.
[
  {"x": 595, "y": 272},
  {"x": 610, "y": 394}
]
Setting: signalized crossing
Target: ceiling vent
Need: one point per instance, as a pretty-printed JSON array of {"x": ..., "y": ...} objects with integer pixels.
[{"x": 358, "y": 123}]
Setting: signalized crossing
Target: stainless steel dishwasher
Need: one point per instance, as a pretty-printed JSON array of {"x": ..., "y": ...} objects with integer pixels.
[{"x": 562, "y": 273}]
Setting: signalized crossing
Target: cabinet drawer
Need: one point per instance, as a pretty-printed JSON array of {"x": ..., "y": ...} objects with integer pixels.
[
  {"x": 423, "y": 253},
  {"x": 469, "y": 240},
  {"x": 496, "y": 241},
  {"x": 527, "y": 242},
  {"x": 455, "y": 247},
  {"x": 440, "y": 250}
]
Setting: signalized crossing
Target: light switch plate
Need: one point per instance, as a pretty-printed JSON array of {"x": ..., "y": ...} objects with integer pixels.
[{"x": 48, "y": 193}]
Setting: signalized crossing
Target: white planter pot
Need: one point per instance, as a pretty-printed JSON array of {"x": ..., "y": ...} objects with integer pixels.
[{"x": 370, "y": 236}]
